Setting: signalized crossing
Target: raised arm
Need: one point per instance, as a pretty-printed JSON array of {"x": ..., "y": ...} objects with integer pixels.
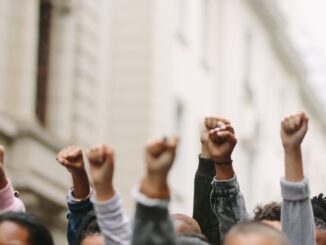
[
  {"x": 152, "y": 224},
  {"x": 202, "y": 211},
  {"x": 296, "y": 213},
  {"x": 226, "y": 199},
  {"x": 8, "y": 201},
  {"x": 107, "y": 202},
  {"x": 78, "y": 202}
]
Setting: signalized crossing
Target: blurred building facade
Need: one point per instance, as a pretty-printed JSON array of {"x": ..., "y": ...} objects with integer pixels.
[{"x": 120, "y": 71}]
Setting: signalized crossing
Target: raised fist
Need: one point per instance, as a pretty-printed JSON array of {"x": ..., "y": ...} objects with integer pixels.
[
  {"x": 160, "y": 155},
  {"x": 221, "y": 142},
  {"x": 71, "y": 157},
  {"x": 209, "y": 124},
  {"x": 101, "y": 161},
  {"x": 293, "y": 130}
]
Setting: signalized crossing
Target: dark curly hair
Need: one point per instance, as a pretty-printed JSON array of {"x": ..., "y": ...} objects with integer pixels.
[
  {"x": 270, "y": 211},
  {"x": 88, "y": 227}
]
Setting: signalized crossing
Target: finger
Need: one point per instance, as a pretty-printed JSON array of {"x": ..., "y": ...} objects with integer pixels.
[
  {"x": 64, "y": 162},
  {"x": 172, "y": 144},
  {"x": 221, "y": 125},
  {"x": 297, "y": 121},
  {"x": 228, "y": 136},
  {"x": 286, "y": 125},
  {"x": 75, "y": 152},
  {"x": 213, "y": 135},
  {"x": 95, "y": 154},
  {"x": 229, "y": 128},
  {"x": 212, "y": 122},
  {"x": 108, "y": 153},
  {"x": 156, "y": 147},
  {"x": 292, "y": 123}
]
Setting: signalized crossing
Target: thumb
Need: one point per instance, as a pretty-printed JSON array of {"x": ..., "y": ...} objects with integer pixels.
[{"x": 228, "y": 136}]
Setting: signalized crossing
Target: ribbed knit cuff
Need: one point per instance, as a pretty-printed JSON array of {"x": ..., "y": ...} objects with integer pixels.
[{"x": 295, "y": 191}]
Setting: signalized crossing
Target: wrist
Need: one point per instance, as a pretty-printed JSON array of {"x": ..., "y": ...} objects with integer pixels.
[
  {"x": 292, "y": 150},
  {"x": 224, "y": 171},
  {"x": 204, "y": 152},
  {"x": 154, "y": 187},
  {"x": 104, "y": 194}
]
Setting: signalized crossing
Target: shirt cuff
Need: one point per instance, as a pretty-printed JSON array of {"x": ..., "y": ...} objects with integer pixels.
[
  {"x": 73, "y": 199},
  {"x": 295, "y": 191},
  {"x": 108, "y": 206},
  {"x": 146, "y": 201}
]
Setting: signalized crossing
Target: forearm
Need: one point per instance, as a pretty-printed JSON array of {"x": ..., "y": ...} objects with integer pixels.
[
  {"x": 202, "y": 211},
  {"x": 293, "y": 165},
  {"x": 81, "y": 188}
]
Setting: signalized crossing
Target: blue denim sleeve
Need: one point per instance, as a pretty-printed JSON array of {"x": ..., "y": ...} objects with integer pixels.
[
  {"x": 77, "y": 212},
  {"x": 228, "y": 204}
]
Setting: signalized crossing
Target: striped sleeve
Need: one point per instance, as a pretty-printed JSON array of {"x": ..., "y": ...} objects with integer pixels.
[{"x": 113, "y": 223}]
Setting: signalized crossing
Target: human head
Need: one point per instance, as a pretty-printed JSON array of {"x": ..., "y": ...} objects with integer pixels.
[
  {"x": 24, "y": 229},
  {"x": 269, "y": 214},
  {"x": 319, "y": 209},
  {"x": 255, "y": 233},
  {"x": 188, "y": 230},
  {"x": 89, "y": 231}
]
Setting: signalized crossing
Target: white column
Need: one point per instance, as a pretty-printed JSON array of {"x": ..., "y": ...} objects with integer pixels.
[{"x": 21, "y": 58}]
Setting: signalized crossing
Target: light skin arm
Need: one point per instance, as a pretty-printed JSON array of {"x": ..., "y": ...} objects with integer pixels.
[
  {"x": 101, "y": 159},
  {"x": 293, "y": 130},
  {"x": 71, "y": 158},
  {"x": 159, "y": 157}
]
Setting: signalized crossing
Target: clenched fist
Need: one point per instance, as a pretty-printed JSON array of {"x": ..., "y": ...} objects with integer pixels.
[
  {"x": 221, "y": 142},
  {"x": 101, "y": 160},
  {"x": 293, "y": 130},
  {"x": 71, "y": 157},
  {"x": 159, "y": 156},
  {"x": 209, "y": 124}
]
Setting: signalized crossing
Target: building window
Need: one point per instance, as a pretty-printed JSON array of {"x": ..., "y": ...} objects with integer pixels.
[{"x": 43, "y": 59}]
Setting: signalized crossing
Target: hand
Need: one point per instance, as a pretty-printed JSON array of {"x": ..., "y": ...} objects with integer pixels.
[
  {"x": 101, "y": 160},
  {"x": 209, "y": 124},
  {"x": 293, "y": 130},
  {"x": 3, "y": 179},
  {"x": 71, "y": 157},
  {"x": 159, "y": 157},
  {"x": 221, "y": 142}
]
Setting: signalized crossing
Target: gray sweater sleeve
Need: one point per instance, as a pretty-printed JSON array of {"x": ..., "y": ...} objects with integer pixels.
[
  {"x": 152, "y": 223},
  {"x": 296, "y": 214},
  {"x": 113, "y": 223},
  {"x": 228, "y": 204}
]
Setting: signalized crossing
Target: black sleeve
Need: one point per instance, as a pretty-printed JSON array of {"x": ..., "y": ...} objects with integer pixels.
[{"x": 202, "y": 211}]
